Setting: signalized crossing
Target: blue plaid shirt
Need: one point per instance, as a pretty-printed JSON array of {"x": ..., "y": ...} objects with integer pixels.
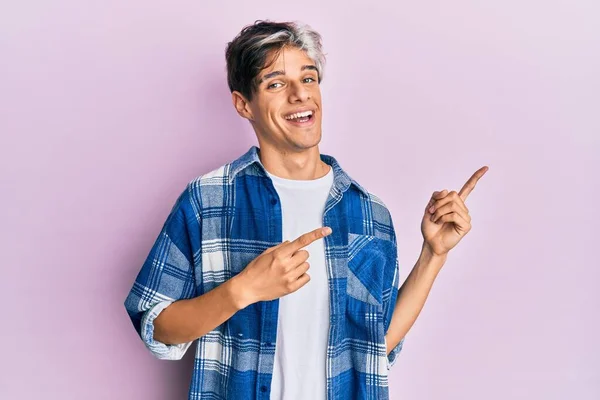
[{"x": 226, "y": 218}]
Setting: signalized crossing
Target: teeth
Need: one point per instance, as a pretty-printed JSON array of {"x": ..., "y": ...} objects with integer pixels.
[{"x": 299, "y": 115}]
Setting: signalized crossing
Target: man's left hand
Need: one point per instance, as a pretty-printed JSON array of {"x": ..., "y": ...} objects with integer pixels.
[{"x": 447, "y": 220}]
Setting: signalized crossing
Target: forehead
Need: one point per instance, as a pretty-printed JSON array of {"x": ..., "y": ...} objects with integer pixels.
[{"x": 288, "y": 59}]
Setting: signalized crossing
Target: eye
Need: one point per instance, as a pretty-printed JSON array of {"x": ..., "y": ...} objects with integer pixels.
[
  {"x": 308, "y": 79},
  {"x": 274, "y": 85}
]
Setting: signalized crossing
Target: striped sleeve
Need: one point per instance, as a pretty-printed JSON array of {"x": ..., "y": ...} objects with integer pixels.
[{"x": 167, "y": 275}]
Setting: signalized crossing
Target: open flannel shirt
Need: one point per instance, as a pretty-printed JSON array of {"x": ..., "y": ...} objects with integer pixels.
[{"x": 226, "y": 218}]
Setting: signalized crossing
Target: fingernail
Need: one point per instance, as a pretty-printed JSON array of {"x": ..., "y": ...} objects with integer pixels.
[
  {"x": 431, "y": 209},
  {"x": 326, "y": 230}
]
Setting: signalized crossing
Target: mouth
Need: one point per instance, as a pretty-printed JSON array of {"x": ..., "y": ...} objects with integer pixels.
[{"x": 302, "y": 118}]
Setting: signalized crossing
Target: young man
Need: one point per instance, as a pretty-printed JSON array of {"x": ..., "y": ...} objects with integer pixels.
[{"x": 279, "y": 264}]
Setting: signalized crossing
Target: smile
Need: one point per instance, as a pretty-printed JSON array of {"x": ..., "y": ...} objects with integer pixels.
[{"x": 302, "y": 118}]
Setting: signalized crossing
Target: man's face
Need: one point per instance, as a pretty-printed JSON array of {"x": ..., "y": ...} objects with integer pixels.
[{"x": 286, "y": 107}]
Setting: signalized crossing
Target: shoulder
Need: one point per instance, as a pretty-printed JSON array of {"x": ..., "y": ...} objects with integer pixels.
[{"x": 207, "y": 189}]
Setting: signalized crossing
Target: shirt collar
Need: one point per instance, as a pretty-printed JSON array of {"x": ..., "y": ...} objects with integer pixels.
[{"x": 341, "y": 180}]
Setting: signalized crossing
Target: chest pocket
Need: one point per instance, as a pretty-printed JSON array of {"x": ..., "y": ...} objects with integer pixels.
[{"x": 368, "y": 258}]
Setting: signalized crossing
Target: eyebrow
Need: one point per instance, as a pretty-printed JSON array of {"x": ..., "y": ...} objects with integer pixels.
[{"x": 279, "y": 73}]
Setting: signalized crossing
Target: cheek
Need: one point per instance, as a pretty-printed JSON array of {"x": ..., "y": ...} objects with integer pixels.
[
  {"x": 271, "y": 112},
  {"x": 265, "y": 117},
  {"x": 317, "y": 97},
  {"x": 263, "y": 114}
]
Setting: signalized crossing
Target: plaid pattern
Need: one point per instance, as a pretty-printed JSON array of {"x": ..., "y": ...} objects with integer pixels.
[{"x": 226, "y": 218}]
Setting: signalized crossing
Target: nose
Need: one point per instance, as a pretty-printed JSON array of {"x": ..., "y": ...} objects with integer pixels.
[{"x": 298, "y": 93}]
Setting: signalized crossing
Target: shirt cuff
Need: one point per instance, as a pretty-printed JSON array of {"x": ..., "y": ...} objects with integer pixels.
[
  {"x": 160, "y": 350},
  {"x": 393, "y": 356}
]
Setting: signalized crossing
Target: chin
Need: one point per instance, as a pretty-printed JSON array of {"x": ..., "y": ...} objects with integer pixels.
[{"x": 307, "y": 143}]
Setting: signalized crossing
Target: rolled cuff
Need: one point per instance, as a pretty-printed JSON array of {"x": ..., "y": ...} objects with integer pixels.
[
  {"x": 393, "y": 356},
  {"x": 160, "y": 350}
]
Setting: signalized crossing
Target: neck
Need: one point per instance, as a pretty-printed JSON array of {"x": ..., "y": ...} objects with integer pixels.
[{"x": 304, "y": 164}]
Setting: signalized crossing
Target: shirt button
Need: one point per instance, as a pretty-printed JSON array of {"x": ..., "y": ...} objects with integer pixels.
[
  {"x": 273, "y": 201},
  {"x": 263, "y": 389}
]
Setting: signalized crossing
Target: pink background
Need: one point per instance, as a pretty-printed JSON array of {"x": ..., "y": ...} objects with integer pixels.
[{"x": 108, "y": 108}]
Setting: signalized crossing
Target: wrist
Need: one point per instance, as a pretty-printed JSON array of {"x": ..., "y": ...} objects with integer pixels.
[
  {"x": 429, "y": 257},
  {"x": 238, "y": 293}
]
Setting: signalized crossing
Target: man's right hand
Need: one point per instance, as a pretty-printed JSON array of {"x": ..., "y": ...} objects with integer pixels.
[{"x": 278, "y": 271}]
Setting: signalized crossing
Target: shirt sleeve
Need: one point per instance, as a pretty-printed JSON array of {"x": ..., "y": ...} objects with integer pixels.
[
  {"x": 390, "y": 297},
  {"x": 167, "y": 275}
]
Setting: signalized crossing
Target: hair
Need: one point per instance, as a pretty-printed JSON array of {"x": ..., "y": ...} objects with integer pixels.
[{"x": 257, "y": 46}]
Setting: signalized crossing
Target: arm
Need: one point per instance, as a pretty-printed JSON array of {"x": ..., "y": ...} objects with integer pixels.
[
  {"x": 445, "y": 222},
  {"x": 189, "y": 319},
  {"x": 168, "y": 308},
  {"x": 269, "y": 276},
  {"x": 412, "y": 295}
]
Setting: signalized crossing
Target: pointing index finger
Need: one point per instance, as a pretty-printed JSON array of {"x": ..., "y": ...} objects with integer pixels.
[
  {"x": 470, "y": 185},
  {"x": 306, "y": 239}
]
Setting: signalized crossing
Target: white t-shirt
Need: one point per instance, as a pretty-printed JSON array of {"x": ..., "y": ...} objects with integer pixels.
[{"x": 299, "y": 369}]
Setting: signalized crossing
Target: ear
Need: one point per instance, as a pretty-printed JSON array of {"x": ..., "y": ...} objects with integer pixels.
[{"x": 242, "y": 105}]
